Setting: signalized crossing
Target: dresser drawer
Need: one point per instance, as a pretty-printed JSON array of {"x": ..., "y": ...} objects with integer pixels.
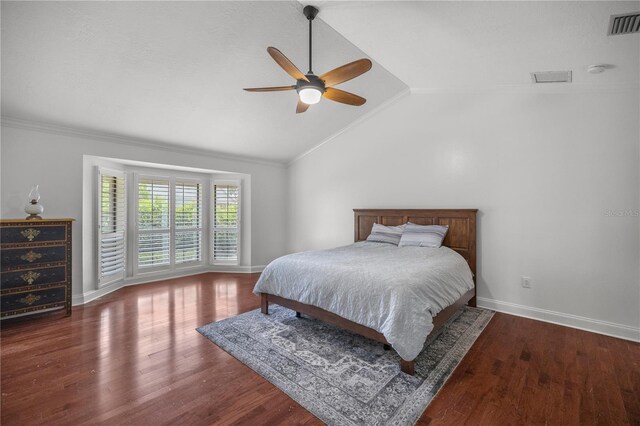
[
  {"x": 35, "y": 266},
  {"x": 32, "y": 234},
  {"x": 32, "y": 256},
  {"x": 29, "y": 277},
  {"x": 12, "y": 304}
]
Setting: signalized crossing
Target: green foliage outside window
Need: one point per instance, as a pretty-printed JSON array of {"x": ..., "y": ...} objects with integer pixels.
[{"x": 153, "y": 206}]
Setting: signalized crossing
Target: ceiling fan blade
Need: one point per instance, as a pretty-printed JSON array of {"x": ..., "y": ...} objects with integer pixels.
[
  {"x": 286, "y": 64},
  {"x": 301, "y": 107},
  {"x": 346, "y": 72},
  {"x": 270, "y": 89},
  {"x": 343, "y": 97}
]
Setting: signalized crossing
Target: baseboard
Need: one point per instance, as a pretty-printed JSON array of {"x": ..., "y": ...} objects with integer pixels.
[
  {"x": 157, "y": 276},
  {"x": 237, "y": 269},
  {"x": 95, "y": 294},
  {"x": 574, "y": 321}
]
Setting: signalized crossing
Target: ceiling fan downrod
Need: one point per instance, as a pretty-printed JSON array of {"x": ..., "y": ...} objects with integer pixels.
[{"x": 310, "y": 12}]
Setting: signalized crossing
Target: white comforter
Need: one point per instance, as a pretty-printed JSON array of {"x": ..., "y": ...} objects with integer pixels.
[{"x": 394, "y": 290}]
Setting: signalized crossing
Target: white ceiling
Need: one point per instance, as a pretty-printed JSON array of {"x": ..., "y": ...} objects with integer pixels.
[
  {"x": 172, "y": 72},
  {"x": 440, "y": 45}
]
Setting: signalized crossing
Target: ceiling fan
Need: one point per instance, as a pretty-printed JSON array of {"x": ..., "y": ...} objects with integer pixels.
[{"x": 311, "y": 87}]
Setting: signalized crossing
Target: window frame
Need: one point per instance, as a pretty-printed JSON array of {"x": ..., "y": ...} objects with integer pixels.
[
  {"x": 172, "y": 179},
  {"x": 137, "y": 270},
  {"x": 212, "y": 227}
]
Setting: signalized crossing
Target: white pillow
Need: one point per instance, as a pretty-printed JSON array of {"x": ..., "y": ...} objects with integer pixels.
[
  {"x": 423, "y": 235},
  {"x": 386, "y": 234}
]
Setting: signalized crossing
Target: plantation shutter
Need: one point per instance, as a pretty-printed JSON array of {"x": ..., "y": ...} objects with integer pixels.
[
  {"x": 112, "y": 226},
  {"x": 226, "y": 222},
  {"x": 154, "y": 239},
  {"x": 188, "y": 221}
]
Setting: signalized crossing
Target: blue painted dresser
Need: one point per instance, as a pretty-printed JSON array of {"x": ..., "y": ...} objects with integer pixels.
[{"x": 35, "y": 261}]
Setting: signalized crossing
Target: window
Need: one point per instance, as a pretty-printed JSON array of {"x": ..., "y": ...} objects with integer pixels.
[
  {"x": 188, "y": 222},
  {"x": 154, "y": 225},
  {"x": 112, "y": 226},
  {"x": 226, "y": 222},
  {"x": 157, "y": 224}
]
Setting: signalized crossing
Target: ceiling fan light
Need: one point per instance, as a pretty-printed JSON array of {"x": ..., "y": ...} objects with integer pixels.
[{"x": 310, "y": 95}]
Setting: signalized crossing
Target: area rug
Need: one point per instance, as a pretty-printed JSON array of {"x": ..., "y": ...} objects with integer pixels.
[{"x": 340, "y": 377}]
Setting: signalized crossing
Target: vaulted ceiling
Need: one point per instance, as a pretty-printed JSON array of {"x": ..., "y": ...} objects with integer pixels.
[
  {"x": 172, "y": 72},
  {"x": 487, "y": 44}
]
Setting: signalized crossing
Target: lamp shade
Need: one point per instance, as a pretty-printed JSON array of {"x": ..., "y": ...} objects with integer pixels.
[{"x": 310, "y": 95}]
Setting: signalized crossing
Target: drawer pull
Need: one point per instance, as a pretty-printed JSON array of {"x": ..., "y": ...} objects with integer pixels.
[
  {"x": 30, "y": 233},
  {"x": 30, "y": 276},
  {"x": 31, "y": 256},
  {"x": 29, "y": 299}
]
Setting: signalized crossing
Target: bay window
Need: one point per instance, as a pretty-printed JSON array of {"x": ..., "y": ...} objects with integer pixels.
[{"x": 176, "y": 221}]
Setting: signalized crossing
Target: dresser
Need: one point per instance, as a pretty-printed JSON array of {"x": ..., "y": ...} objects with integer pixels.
[{"x": 35, "y": 261}]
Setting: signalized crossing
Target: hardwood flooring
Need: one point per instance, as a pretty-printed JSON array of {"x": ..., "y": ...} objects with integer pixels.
[{"x": 134, "y": 357}]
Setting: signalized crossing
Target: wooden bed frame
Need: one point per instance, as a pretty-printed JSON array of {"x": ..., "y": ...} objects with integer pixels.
[{"x": 461, "y": 237}]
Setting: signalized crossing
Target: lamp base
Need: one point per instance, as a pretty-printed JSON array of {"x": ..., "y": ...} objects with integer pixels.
[{"x": 34, "y": 209}]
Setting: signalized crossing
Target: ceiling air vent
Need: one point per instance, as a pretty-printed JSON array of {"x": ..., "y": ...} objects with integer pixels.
[
  {"x": 551, "y": 77},
  {"x": 627, "y": 23}
]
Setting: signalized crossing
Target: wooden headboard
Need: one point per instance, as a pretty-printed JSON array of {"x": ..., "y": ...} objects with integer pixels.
[{"x": 462, "y": 226}]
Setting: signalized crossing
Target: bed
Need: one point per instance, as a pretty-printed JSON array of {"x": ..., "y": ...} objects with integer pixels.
[{"x": 378, "y": 290}]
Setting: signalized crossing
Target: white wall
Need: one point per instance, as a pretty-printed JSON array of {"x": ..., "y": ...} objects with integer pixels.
[
  {"x": 545, "y": 170},
  {"x": 555, "y": 176},
  {"x": 54, "y": 159}
]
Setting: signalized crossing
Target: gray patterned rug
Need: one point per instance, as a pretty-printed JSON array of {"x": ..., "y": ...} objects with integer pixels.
[{"x": 343, "y": 378}]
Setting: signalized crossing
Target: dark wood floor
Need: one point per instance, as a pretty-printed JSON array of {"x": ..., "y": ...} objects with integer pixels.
[{"x": 134, "y": 357}]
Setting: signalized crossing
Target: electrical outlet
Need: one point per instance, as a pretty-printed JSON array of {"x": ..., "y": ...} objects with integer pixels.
[{"x": 526, "y": 282}]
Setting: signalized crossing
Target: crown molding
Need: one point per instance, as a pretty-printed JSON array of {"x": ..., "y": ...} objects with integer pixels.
[
  {"x": 354, "y": 123},
  {"x": 56, "y": 129}
]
